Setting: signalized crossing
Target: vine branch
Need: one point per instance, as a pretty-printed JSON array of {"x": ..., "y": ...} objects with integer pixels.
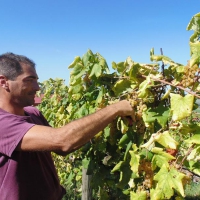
[{"x": 178, "y": 86}]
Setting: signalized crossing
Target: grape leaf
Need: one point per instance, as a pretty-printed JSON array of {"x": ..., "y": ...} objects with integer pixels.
[
  {"x": 143, "y": 88},
  {"x": 194, "y": 155},
  {"x": 196, "y": 137},
  {"x": 87, "y": 57},
  {"x": 160, "y": 158},
  {"x": 166, "y": 140},
  {"x": 125, "y": 175},
  {"x": 77, "y": 69},
  {"x": 194, "y": 23},
  {"x": 142, "y": 195},
  {"x": 100, "y": 96},
  {"x": 117, "y": 166},
  {"x": 120, "y": 86},
  {"x": 168, "y": 180},
  {"x": 134, "y": 162},
  {"x": 161, "y": 114},
  {"x": 181, "y": 107},
  {"x": 118, "y": 66},
  {"x": 96, "y": 70},
  {"x": 195, "y": 53},
  {"x": 77, "y": 59}
]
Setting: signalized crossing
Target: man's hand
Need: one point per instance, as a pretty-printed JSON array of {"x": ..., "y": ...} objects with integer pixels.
[{"x": 125, "y": 109}]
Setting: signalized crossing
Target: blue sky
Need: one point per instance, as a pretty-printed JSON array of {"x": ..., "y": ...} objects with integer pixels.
[{"x": 53, "y": 32}]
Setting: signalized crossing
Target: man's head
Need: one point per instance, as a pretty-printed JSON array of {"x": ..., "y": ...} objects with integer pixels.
[
  {"x": 10, "y": 65},
  {"x": 18, "y": 80}
]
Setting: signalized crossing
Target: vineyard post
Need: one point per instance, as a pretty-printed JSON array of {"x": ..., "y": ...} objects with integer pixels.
[{"x": 86, "y": 187}]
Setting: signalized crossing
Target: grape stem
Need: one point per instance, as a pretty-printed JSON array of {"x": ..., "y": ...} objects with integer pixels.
[
  {"x": 178, "y": 86},
  {"x": 189, "y": 151}
]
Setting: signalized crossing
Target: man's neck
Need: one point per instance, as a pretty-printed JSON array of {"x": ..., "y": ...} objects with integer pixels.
[{"x": 12, "y": 109}]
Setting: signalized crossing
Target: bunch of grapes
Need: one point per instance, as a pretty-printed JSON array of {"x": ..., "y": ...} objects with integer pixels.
[
  {"x": 140, "y": 125},
  {"x": 188, "y": 79},
  {"x": 139, "y": 107},
  {"x": 145, "y": 168}
]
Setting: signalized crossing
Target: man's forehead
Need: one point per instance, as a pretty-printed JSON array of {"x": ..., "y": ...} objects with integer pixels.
[{"x": 29, "y": 70}]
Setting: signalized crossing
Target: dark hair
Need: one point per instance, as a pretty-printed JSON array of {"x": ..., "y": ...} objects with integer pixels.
[{"x": 10, "y": 65}]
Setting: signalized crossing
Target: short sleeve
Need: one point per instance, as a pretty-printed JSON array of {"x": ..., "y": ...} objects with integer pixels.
[{"x": 12, "y": 130}]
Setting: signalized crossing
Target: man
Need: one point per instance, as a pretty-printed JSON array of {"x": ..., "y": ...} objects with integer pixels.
[{"x": 27, "y": 171}]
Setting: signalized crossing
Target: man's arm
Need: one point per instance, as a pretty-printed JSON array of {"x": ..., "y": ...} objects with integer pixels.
[{"x": 75, "y": 134}]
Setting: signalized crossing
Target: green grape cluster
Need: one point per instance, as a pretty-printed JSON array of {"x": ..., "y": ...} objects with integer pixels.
[
  {"x": 145, "y": 169},
  {"x": 139, "y": 107},
  {"x": 188, "y": 79},
  {"x": 140, "y": 125}
]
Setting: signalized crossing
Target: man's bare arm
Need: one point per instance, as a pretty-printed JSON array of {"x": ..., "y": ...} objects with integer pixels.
[{"x": 76, "y": 133}]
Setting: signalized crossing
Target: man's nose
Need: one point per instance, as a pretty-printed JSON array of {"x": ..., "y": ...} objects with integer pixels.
[{"x": 36, "y": 86}]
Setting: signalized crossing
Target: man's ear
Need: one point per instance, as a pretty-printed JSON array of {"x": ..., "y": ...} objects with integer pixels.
[{"x": 3, "y": 82}]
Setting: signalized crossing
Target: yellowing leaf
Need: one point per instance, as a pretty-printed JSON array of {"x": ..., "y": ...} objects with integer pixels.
[
  {"x": 160, "y": 158},
  {"x": 195, "y": 154},
  {"x": 166, "y": 95},
  {"x": 194, "y": 23},
  {"x": 134, "y": 162},
  {"x": 181, "y": 107},
  {"x": 142, "y": 195},
  {"x": 195, "y": 53},
  {"x": 195, "y": 139},
  {"x": 169, "y": 180},
  {"x": 166, "y": 140}
]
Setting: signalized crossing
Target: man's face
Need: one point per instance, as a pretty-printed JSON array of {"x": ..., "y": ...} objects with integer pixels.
[{"x": 24, "y": 87}]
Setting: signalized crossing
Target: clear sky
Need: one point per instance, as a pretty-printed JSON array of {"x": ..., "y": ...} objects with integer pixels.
[{"x": 53, "y": 32}]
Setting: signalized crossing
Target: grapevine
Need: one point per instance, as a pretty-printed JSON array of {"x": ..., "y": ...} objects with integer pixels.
[{"x": 156, "y": 156}]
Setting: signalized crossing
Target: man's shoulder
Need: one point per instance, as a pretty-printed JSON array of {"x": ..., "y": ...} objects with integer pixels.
[{"x": 32, "y": 110}]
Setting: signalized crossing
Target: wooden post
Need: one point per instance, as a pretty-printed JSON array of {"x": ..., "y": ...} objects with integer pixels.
[{"x": 86, "y": 187}]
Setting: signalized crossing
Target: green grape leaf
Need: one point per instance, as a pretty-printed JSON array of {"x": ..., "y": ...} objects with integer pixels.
[
  {"x": 134, "y": 162},
  {"x": 194, "y": 23},
  {"x": 117, "y": 166},
  {"x": 161, "y": 114},
  {"x": 124, "y": 140},
  {"x": 125, "y": 175},
  {"x": 166, "y": 95},
  {"x": 166, "y": 60},
  {"x": 133, "y": 73},
  {"x": 75, "y": 89},
  {"x": 100, "y": 96},
  {"x": 194, "y": 166},
  {"x": 87, "y": 57},
  {"x": 76, "y": 60},
  {"x": 118, "y": 66},
  {"x": 123, "y": 125},
  {"x": 142, "y": 195},
  {"x": 96, "y": 70},
  {"x": 168, "y": 180},
  {"x": 195, "y": 139},
  {"x": 77, "y": 69},
  {"x": 126, "y": 155},
  {"x": 143, "y": 88},
  {"x": 195, "y": 52},
  {"x": 160, "y": 158},
  {"x": 85, "y": 163},
  {"x": 121, "y": 86},
  {"x": 181, "y": 107}
]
